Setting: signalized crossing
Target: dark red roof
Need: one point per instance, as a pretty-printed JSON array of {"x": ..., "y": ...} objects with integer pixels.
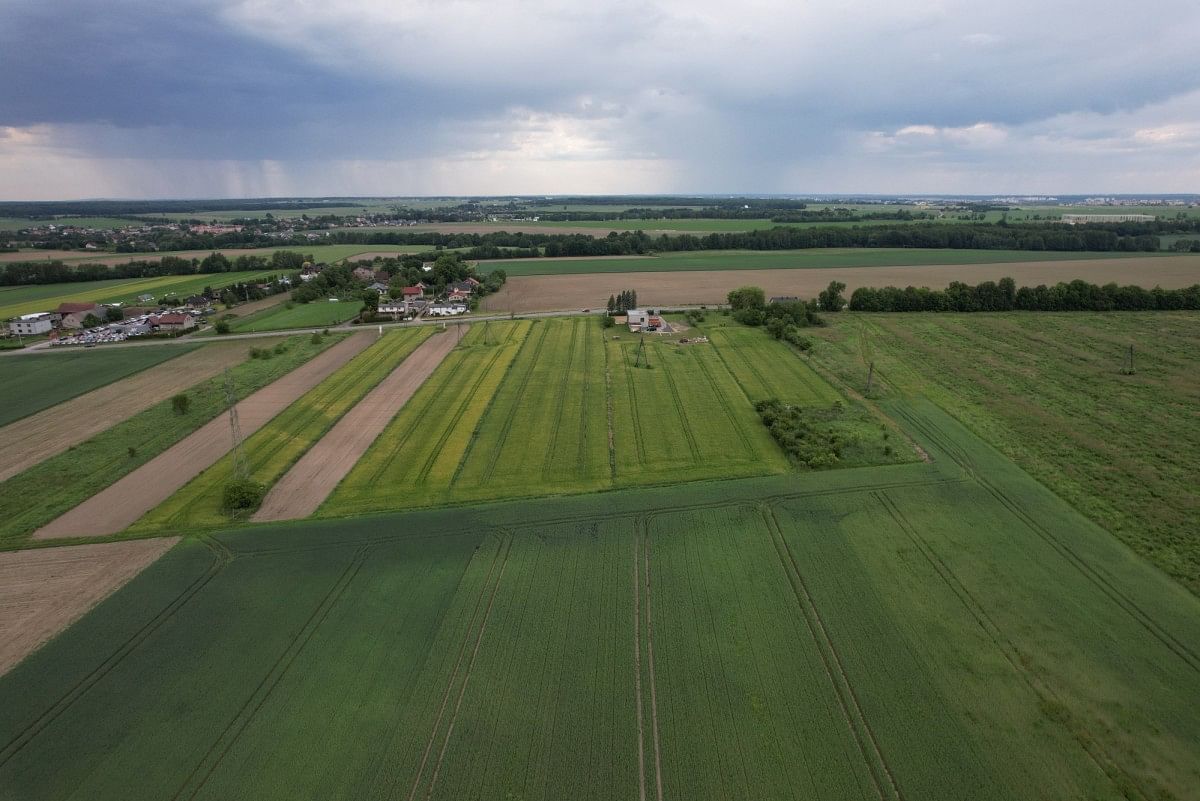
[
  {"x": 170, "y": 319},
  {"x": 412, "y": 290},
  {"x": 72, "y": 308}
]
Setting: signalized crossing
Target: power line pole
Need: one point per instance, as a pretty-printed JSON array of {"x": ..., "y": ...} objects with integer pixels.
[
  {"x": 241, "y": 468},
  {"x": 870, "y": 375}
]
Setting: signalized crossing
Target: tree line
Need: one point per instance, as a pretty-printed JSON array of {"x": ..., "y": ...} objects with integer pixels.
[
  {"x": 1003, "y": 295},
  {"x": 28, "y": 273}
]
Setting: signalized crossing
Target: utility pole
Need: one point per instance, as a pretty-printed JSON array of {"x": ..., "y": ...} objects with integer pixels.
[
  {"x": 241, "y": 468},
  {"x": 870, "y": 375},
  {"x": 1129, "y": 370},
  {"x": 642, "y": 354}
]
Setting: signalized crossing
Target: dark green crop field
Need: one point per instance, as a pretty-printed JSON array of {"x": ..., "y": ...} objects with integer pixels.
[
  {"x": 924, "y": 631},
  {"x": 30, "y": 383}
]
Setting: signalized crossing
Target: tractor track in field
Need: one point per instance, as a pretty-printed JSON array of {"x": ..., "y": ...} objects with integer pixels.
[
  {"x": 500, "y": 558},
  {"x": 611, "y": 413},
  {"x": 494, "y": 457},
  {"x": 222, "y": 556},
  {"x": 689, "y": 435},
  {"x": 637, "y": 662},
  {"x": 1007, "y": 648},
  {"x": 581, "y": 451},
  {"x": 638, "y": 441},
  {"x": 458, "y": 415},
  {"x": 1139, "y": 615},
  {"x": 250, "y": 708},
  {"x": 561, "y": 392},
  {"x": 726, "y": 404},
  {"x": 881, "y": 773},
  {"x": 641, "y": 527}
]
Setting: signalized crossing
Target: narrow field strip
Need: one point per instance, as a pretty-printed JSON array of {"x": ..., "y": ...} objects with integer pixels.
[
  {"x": 273, "y": 449},
  {"x": 42, "y": 591},
  {"x": 38, "y": 437},
  {"x": 311, "y": 479},
  {"x": 123, "y": 502}
]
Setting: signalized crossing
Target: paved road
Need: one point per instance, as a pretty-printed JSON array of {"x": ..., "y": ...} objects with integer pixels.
[{"x": 447, "y": 321}]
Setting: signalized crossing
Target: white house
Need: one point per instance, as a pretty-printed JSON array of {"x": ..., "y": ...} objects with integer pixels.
[{"x": 28, "y": 325}]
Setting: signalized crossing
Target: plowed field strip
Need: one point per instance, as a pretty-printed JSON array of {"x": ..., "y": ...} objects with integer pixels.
[
  {"x": 122, "y": 503},
  {"x": 315, "y": 475}
]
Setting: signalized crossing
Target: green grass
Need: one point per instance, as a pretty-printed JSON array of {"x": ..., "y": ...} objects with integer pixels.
[
  {"x": 785, "y": 259},
  {"x": 558, "y": 406},
  {"x": 16, "y": 301},
  {"x": 318, "y": 314},
  {"x": 36, "y": 496},
  {"x": 275, "y": 447},
  {"x": 1048, "y": 390},
  {"x": 923, "y": 631},
  {"x": 17, "y": 223},
  {"x": 31, "y": 383}
]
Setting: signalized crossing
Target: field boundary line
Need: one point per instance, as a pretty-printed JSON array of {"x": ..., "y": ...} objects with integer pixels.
[
  {"x": 637, "y": 660},
  {"x": 561, "y": 392},
  {"x": 1104, "y": 762},
  {"x": 868, "y": 745},
  {"x": 1106, "y": 587},
  {"x": 609, "y": 404},
  {"x": 581, "y": 451},
  {"x": 634, "y": 406},
  {"x": 470, "y": 666},
  {"x": 222, "y": 556},
  {"x": 266, "y": 687}
]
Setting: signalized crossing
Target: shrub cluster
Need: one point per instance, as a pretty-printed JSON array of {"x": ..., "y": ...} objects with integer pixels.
[
  {"x": 804, "y": 433},
  {"x": 242, "y": 496}
]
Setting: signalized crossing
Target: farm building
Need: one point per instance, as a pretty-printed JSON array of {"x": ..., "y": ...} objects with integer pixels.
[
  {"x": 447, "y": 309},
  {"x": 32, "y": 324},
  {"x": 73, "y": 314},
  {"x": 1076, "y": 219},
  {"x": 642, "y": 320},
  {"x": 173, "y": 322},
  {"x": 413, "y": 291}
]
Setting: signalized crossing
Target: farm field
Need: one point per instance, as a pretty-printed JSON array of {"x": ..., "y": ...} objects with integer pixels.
[
  {"x": 276, "y": 446},
  {"x": 711, "y": 640},
  {"x": 1049, "y": 391},
  {"x": 31, "y": 439},
  {"x": 318, "y": 314},
  {"x": 41, "y": 493},
  {"x": 330, "y": 253},
  {"x": 15, "y": 301},
  {"x": 555, "y": 406},
  {"x": 30, "y": 383},
  {"x": 523, "y": 293},
  {"x": 17, "y": 223},
  {"x": 814, "y": 258}
]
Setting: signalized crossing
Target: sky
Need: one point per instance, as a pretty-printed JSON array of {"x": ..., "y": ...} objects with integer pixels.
[{"x": 266, "y": 98}]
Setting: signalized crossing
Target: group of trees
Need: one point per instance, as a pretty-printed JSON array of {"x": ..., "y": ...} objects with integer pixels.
[
  {"x": 622, "y": 302},
  {"x": 804, "y": 433},
  {"x": 1004, "y": 295},
  {"x": 26, "y": 273},
  {"x": 782, "y": 319}
]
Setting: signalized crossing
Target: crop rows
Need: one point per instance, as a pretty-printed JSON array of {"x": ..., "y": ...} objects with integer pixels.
[
  {"x": 767, "y": 369},
  {"x": 275, "y": 447}
]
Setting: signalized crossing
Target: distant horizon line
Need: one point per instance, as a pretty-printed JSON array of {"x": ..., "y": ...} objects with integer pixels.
[{"x": 713, "y": 195}]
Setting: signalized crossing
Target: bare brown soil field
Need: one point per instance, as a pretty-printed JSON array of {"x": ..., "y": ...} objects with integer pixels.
[
  {"x": 512, "y": 228},
  {"x": 132, "y": 496},
  {"x": 32, "y": 439},
  {"x": 44, "y": 590},
  {"x": 318, "y": 472},
  {"x": 565, "y": 292},
  {"x": 42, "y": 255},
  {"x": 122, "y": 258}
]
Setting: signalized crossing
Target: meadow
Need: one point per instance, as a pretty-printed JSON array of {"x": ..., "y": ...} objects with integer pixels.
[
  {"x": 709, "y": 640},
  {"x": 784, "y": 259},
  {"x": 38, "y": 495},
  {"x": 17, "y": 223},
  {"x": 531, "y": 408},
  {"x": 30, "y": 383},
  {"x": 1050, "y": 392},
  {"x": 275, "y": 447},
  {"x": 318, "y": 314},
  {"x": 15, "y": 301}
]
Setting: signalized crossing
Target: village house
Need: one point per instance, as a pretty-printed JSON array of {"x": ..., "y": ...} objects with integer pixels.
[
  {"x": 72, "y": 315},
  {"x": 417, "y": 291},
  {"x": 28, "y": 325},
  {"x": 173, "y": 321},
  {"x": 364, "y": 274},
  {"x": 381, "y": 288},
  {"x": 382, "y": 276}
]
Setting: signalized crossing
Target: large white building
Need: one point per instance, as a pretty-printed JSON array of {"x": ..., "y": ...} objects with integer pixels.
[{"x": 28, "y": 325}]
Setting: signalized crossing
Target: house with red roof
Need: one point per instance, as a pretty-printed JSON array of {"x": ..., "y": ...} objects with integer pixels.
[
  {"x": 72, "y": 315},
  {"x": 173, "y": 321}
]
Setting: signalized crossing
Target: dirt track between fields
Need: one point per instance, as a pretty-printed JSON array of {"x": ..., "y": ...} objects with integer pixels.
[
  {"x": 36, "y": 438},
  {"x": 118, "y": 506},
  {"x": 44, "y": 590},
  {"x": 318, "y": 472},
  {"x": 591, "y": 290}
]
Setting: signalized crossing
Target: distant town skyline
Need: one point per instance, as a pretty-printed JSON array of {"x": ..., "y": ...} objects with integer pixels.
[{"x": 265, "y": 98}]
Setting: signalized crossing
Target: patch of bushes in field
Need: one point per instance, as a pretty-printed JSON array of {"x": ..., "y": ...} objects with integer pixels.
[
  {"x": 804, "y": 433},
  {"x": 242, "y": 496}
]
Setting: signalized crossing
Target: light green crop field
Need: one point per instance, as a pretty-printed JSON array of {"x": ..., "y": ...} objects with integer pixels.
[
  {"x": 925, "y": 631},
  {"x": 554, "y": 406},
  {"x": 38, "y": 495},
  {"x": 275, "y": 447},
  {"x": 17, "y": 223},
  {"x": 318, "y": 314},
  {"x": 784, "y": 259},
  {"x": 1049, "y": 391},
  {"x": 31, "y": 383},
  {"x": 15, "y": 301}
]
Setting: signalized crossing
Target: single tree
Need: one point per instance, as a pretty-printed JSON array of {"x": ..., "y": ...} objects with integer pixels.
[
  {"x": 831, "y": 297},
  {"x": 180, "y": 403}
]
